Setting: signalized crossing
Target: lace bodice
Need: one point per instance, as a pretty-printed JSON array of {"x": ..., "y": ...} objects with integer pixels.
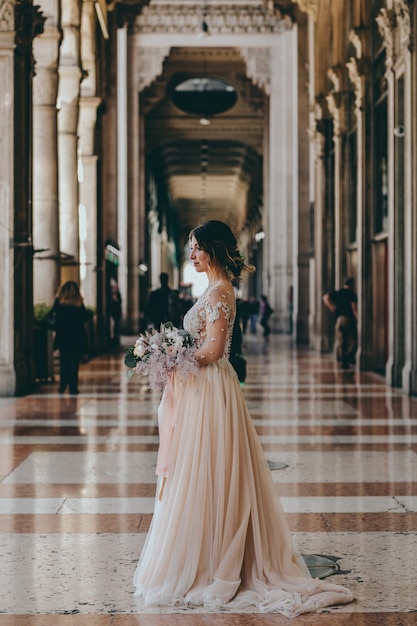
[{"x": 210, "y": 321}]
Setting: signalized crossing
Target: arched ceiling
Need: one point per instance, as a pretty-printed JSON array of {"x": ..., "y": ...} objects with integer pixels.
[{"x": 211, "y": 171}]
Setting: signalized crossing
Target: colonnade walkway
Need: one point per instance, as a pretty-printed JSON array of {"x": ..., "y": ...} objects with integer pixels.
[{"x": 77, "y": 485}]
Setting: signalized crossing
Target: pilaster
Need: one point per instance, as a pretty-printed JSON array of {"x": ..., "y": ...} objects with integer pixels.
[
  {"x": 395, "y": 25},
  {"x": 70, "y": 76},
  {"x": 336, "y": 101},
  {"x": 7, "y": 26},
  {"x": 321, "y": 333},
  {"x": 358, "y": 69},
  {"x": 87, "y": 177},
  {"x": 28, "y": 24},
  {"x": 281, "y": 231},
  {"x": 45, "y": 162}
]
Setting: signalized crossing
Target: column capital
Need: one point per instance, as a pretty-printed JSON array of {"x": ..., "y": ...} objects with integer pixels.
[
  {"x": 336, "y": 99},
  {"x": 403, "y": 18},
  {"x": 315, "y": 131},
  {"x": 395, "y": 27},
  {"x": 386, "y": 25},
  {"x": 309, "y": 6},
  {"x": 356, "y": 68}
]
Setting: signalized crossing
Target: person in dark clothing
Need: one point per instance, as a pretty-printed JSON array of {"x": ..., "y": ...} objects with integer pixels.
[
  {"x": 265, "y": 312},
  {"x": 253, "y": 310},
  {"x": 115, "y": 312},
  {"x": 343, "y": 304},
  {"x": 70, "y": 316},
  {"x": 159, "y": 307}
]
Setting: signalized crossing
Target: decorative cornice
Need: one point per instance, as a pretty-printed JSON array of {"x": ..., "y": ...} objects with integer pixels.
[
  {"x": 221, "y": 19},
  {"x": 309, "y": 6},
  {"x": 150, "y": 64},
  {"x": 7, "y": 15},
  {"x": 258, "y": 66}
]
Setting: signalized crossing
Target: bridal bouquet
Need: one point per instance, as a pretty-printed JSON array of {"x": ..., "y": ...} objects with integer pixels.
[{"x": 157, "y": 354}]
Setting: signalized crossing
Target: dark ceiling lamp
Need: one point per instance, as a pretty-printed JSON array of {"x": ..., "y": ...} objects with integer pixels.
[{"x": 204, "y": 29}]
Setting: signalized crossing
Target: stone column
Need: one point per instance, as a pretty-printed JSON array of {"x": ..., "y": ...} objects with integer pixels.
[
  {"x": 87, "y": 159},
  {"x": 303, "y": 248},
  {"x": 395, "y": 27},
  {"x": 28, "y": 23},
  {"x": 335, "y": 106},
  {"x": 68, "y": 103},
  {"x": 122, "y": 197},
  {"x": 403, "y": 220},
  {"x": 411, "y": 338},
  {"x": 45, "y": 160},
  {"x": 283, "y": 201},
  {"x": 135, "y": 202},
  {"x": 7, "y": 373},
  {"x": 358, "y": 74},
  {"x": 319, "y": 330},
  {"x": 87, "y": 174}
]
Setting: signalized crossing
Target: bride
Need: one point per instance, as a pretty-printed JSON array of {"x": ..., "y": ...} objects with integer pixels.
[{"x": 219, "y": 537}]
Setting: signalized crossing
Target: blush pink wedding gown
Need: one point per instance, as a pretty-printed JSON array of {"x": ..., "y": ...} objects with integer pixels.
[{"x": 219, "y": 536}]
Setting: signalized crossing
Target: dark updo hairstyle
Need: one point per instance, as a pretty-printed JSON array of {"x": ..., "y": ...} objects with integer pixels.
[{"x": 219, "y": 242}]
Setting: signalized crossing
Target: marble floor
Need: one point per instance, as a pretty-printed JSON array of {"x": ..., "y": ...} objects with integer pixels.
[{"x": 77, "y": 484}]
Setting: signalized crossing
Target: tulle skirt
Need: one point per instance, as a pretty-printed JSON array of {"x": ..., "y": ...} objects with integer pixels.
[{"x": 219, "y": 537}]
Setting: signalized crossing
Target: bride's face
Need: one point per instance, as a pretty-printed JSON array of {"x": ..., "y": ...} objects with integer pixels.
[{"x": 200, "y": 258}]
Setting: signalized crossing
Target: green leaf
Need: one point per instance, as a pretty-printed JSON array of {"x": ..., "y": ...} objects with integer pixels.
[
  {"x": 130, "y": 360},
  {"x": 129, "y": 373}
]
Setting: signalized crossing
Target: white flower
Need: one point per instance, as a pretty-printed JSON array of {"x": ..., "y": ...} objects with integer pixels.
[{"x": 139, "y": 349}]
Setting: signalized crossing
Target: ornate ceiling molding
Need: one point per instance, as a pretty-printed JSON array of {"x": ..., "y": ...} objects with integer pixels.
[
  {"x": 166, "y": 18},
  {"x": 7, "y": 15},
  {"x": 150, "y": 64},
  {"x": 258, "y": 66}
]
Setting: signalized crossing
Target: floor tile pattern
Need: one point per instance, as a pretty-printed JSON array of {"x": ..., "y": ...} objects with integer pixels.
[{"x": 77, "y": 485}]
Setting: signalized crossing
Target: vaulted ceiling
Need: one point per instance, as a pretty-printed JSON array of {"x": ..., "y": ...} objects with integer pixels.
[
  {"x": 211, "y": 163},
  {"x": 209, "y": 170}
]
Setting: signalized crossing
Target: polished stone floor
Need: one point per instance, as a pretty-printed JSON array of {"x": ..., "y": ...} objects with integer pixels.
[{"x": 77, "y": 484}]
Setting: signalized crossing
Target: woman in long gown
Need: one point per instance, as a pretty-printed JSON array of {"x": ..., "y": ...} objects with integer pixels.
[{"x": 219, "y": 536}]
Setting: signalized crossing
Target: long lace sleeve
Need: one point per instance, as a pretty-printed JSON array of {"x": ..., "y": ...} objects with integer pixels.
[{"x": 219, "y": 314}]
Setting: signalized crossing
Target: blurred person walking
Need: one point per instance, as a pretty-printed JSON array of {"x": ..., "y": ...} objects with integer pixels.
[
  {"x": 265, "y": 311},
  {"x": 69, "y": 316},
  {"x": 343, "y": 304}
]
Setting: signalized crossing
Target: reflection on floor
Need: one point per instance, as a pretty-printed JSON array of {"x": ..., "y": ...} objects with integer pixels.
[{"x": 77, "y": 484}]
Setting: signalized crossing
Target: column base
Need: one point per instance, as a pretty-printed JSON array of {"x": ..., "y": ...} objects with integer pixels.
[
  {"x": 409, "y": 379},
  {"x": 7, "y": 381},
  {"x": 393, "y": 374}
]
